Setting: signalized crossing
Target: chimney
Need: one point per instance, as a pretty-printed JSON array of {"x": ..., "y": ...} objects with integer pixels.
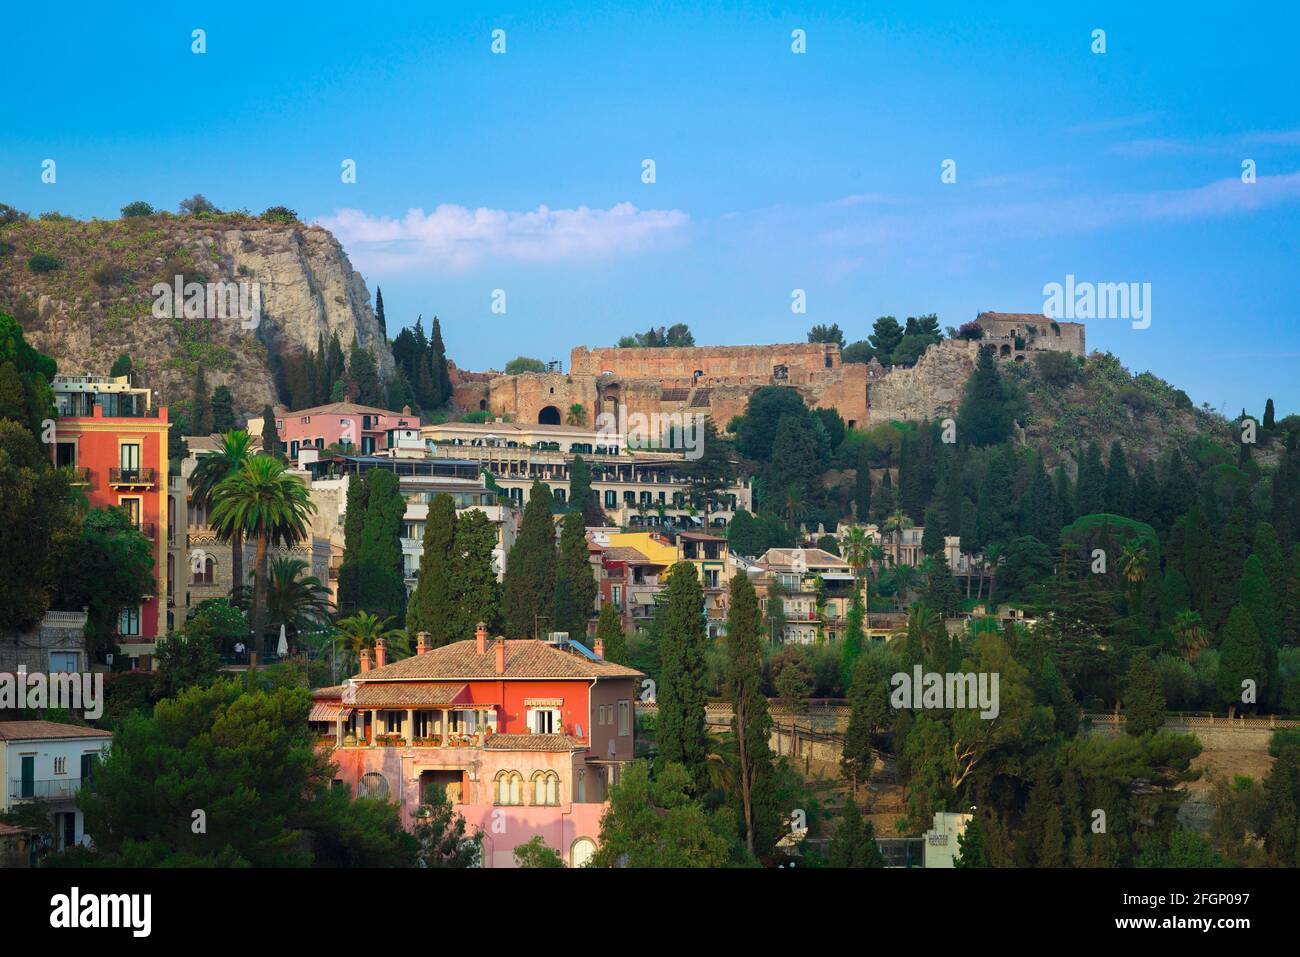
[
  {"x": 381, "y": 653},
  {"x": 599, "y": 648},
  {"x": 501, "y": 656},
  {"x": 480, "y": 637},
  {"x": 365, "y": 661},
  {"x": 421, "y": 642}
]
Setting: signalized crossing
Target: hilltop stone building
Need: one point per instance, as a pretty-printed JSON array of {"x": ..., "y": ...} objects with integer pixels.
[{"x": 718, "y": 380}]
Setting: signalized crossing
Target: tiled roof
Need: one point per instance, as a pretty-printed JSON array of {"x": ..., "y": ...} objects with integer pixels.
[
  {"x": 813, "y": 557},
  {"x": 38, "y": 730},
  {"x": 534, "y": 742},
  {"x": 525, "y": 658},
  {"x": 347, "y": 408},
  {"x": 407, "y": 694},
  {"x": 625, "y": 553},
  {"x": 9, "y": 830},
  {"x": 327, "y": 711},
  {"x": 333, "y": 691}
]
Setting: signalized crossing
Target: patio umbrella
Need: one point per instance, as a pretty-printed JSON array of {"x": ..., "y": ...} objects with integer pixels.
[{"x": 282, "y": 649}]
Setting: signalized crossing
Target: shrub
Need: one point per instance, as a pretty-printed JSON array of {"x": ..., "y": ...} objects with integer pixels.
[
  {"x": 197, "y": 205},
  {"x": 9, "y": 215},
  {"x": 280, "y": 214},
  {"x": 42, "y": 262},
  {"x": 1136, "y": 399},
  {"x": 138, "y": 208},
  {"x": 970, "y": 331},
  {"x": 1056, "y": 368},
  {"x": 111, "y": 274},
  {"x": 524, "y": 364}
]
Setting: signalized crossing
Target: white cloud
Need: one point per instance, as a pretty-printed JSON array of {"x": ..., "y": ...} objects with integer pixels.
[{"x": 456, "y": 238}]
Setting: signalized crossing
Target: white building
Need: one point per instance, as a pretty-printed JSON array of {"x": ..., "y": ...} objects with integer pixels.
[
  {"x": 47, "y": 763},
  {"x": 940, "y": 846}
]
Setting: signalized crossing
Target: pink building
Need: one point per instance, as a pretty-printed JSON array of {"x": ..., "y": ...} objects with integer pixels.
[
  {"x": 368, "y": 430},
  {"x": 526, "y": 737}
]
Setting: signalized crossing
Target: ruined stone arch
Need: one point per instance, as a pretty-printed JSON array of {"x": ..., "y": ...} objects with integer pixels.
[{"x": 549, "y": 415}]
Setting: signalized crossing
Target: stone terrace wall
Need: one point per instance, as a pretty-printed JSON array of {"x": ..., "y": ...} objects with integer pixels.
[{"x": 805, "y": 362}]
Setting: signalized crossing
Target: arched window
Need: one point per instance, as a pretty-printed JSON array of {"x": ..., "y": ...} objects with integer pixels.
[
  {"x": 509, "y": 788},
  {"x": 203, "y": 573},
  {"x": 581, "y": 852},
  {"x": 372, "y": 784},
  {"x": 546, "y": 788}
]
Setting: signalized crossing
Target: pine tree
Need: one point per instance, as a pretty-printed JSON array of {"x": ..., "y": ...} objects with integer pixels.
[
  {"x": 750, "y": 724},
  {"x": 854, "y": 841},
  {"x": 473, "y": 575},
  {"x": 575, "y": 582},
  {"x": 433, "y": 604},
  {"x": 609, "y": 630},
  {"x": 683, "y": 676},
  {"x": 1144, "y": 698},
  {"x": 528, "y": 599}
]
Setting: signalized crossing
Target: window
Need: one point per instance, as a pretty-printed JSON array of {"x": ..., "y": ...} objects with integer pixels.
[
  {"x": 63, "y": 661},
  {"x": 88, "y": 762},
  {"x": 546, "y": 788},
  {"x": 128, "y": 622},
  {"x": 509, "y": 788},
  {"x": 611, "y": 498},
  {"x": 203, "y": 572},
  {"x": 616, "y": 594},
  {"x": 60, "y": 765},
  {"x": 372, "y": 784},
  {"x": 624, "y": 709},
  {"x": 544, "y": 721}
]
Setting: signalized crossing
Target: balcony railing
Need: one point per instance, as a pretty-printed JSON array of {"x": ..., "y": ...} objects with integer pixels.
[
  {"x": 48, "y": 789},
  {"x": 139, "y": 477},
  {"x": 147, "y": 529},
  {"x": 333, "y": 573},
  {"x": 80, "y": 474}
]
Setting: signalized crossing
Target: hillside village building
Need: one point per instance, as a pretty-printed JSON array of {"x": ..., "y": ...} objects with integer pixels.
[
  {"x": 47, "y": 763},
  {"x": 115, "y": 441},
  {"x": 525, "y": 737},
  {"x": 816, "y": 592}
]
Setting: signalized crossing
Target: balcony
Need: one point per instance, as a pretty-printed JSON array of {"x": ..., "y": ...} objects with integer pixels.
[
  {"x": 132, "y": 478},
  {"x": 80, "y": 474},
  {"x": 147, "y": 529},
  {"x": 48, "y": 789}
]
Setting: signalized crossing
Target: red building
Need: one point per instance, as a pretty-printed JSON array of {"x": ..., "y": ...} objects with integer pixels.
[
  {"x": 110, "y": 434},
  {"x": 526, "y": 737}
]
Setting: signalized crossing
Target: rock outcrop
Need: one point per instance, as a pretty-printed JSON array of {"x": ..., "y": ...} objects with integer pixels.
[{"x": 99, "y": 300}]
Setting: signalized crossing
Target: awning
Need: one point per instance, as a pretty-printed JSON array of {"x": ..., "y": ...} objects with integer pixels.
[
  {"x": 328, "y": 711},
  {"x": 543, "y": 702}
]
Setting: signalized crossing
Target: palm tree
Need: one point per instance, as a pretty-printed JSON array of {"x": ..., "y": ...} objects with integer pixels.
[
  {"x": 877, "y": 556},
  {"x": 577, "y": 414},
  {"x": 360, "y": 632},
  {"x": 1133, "y": 566},
  {"x": 1191, "y": 633},
  {"x": 236, "y": 447},
  {"x": 262, "y": 500},
  {"x": 298, "y": 601},
  {"x": 794, "y": 506},
  {"x": 894, "y": 524},
  {"x": 854, "y": 545}
]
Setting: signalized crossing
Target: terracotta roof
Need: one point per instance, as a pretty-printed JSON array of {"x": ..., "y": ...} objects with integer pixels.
[
  {"x": 348, "y": 408},
  {"x": 8, "y": 830},
  {"x": 527, "y": 658},
  {"x": 38, "y": 730},
  {"x": 406, "y": 694},
  {"x": 813, "y": 557},
  {"x": 333, "y": 691},
  {"x": 534, "y": 742},
  {"x": 625, "y": 553},
  {"x": 1021, "y": 317}
]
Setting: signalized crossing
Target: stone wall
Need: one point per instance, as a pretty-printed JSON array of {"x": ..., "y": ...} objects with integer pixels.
[
  {"x": 931, "y": 389},
  {"x": 803, "y": 362},
  {"x": 59, "y": 631}
]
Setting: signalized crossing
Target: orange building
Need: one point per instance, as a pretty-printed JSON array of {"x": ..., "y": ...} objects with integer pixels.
[{"x": 109, "y": 432}]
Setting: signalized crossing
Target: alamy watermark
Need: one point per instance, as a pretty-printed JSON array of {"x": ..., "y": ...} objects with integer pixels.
[
  {"x": 659, "y": 431},
  {"x": 948, "y": 691},
  {"x": 211, "y": 300},
  {"x": 37, "y": 691},
  {"x": 1105, "y": 300}
]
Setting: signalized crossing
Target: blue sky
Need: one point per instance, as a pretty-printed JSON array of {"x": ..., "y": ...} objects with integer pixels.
[{"x": 774, "y": 171}]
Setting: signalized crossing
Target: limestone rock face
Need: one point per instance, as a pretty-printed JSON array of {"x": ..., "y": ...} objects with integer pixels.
[
  {"x": 100, "y": 301},
  {"x": 931, "y": 389}
]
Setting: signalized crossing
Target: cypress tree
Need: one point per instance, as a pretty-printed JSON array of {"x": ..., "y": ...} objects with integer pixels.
[
  {"x": 223, "y": 410},
  {"x": 862, "y": 486},
  {"x": 932, "y": 534},
  {"x": 609, "y": 630},
  {"x": 200, "y": 410},
  {"x": 1091, "y": 492},
  {"x": 473, "y": 575},
  {"x": 1064, "y": 497},
  {"x": 528, "y": 594},
  {"x": 575, "y": 582},
  {"x": 381, "y": 577},
  {"x": 379, "y": 312},
  {"x": 354, "y": 522},
  {"x": 683, "y": 676},
  {"x": 364, "y": 375},
  {"x": 433, "y": 604},
  {"x": 1255, "y": 593},
  {"x": 1269, "y": 549},
  {"x": 270, "y": 436},
  {"x": 1144, "y": 698},
  {"x": 751, "y": 724},
  {"x": 438, "y": 373},
  {"x": 854, "y": 841},
  {"x": 1241, "y": 658},
  {"x": 868, "y": 694},
  {"x": 1174, "y": 596},
  {"x": 1118, "y": 492},
  {"x": 581, "y": 496},
  {"x": 984, "y": 417}
]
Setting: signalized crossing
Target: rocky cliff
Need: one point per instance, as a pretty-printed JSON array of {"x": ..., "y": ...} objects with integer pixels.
[{"x": 85, "y": 292}]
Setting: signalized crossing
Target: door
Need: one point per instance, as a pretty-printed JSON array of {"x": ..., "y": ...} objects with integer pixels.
[
  {"x": 69, "y": 830},
  {"x": 129, "y": 459},
  {"x": 28, "y": 783}
]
